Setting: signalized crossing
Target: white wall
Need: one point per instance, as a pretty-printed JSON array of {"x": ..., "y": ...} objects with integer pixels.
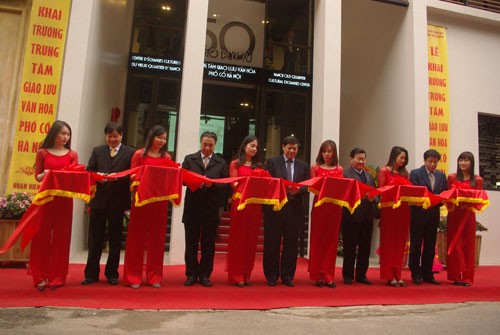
[
  {"x": 474, "y": 83},
  {"x": 93, "y": 81},
  {"x": 377, "y": 80}
]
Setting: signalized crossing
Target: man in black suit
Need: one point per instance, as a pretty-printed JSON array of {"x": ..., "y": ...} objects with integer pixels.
[
  {"x": 357, "y": 227},
  {"x": 203, "y": 210},
  {"x": 112, "y": 198},
  {"x": 287, "y": 222},
  {"x": 424, "y": 222}
]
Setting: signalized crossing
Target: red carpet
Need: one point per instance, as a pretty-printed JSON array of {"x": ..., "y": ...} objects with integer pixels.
[{"x": 16, "y": 290}]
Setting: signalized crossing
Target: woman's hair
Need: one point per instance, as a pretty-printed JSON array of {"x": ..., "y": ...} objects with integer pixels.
[
  {"x": 395, "y": 152},
  {"x": 466, "y": 155},
  {"x": 153, "y": 132},
  {"x": 241, "y": 152},
  {"x": 56, "y": 127},
  {"x": 323, "y": 147}
]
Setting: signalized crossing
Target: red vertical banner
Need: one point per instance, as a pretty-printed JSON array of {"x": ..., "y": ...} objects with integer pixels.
[
  {"x": 40, "y": 87},
  {"x": 439, "y": 104}
]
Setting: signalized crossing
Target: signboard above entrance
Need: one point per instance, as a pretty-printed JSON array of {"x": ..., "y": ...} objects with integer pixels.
[{"x": 154, "y": 63}]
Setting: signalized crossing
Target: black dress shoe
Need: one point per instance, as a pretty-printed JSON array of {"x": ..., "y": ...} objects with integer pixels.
[
  {"x": 113, "y": 281},
  {"x": 288, "y": 283},
  {"x": 319, "y": 283},
  {"x": 205, "y": 282},
  {"x": 190, "y": 281},
  {"x": 364, "y": 281},
  {"x": 240, "y": 284},
  {"x": 432, "y": 281},
  {"x": 271, "y": 283},
  {"x": 247, "y": 283},
  {"x": 348, "y": 281},
  {"x": 88, "y": 281},
  {"x": 417, "y": 281}
]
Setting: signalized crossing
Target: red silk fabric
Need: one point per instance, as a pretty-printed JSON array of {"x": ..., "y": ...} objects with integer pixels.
[
  {"x": 261, "y": 190},
  {"x": 344, "y": 192},
  {"x": 158, "y": 183},
  {"x": 468, "y": 201},
  {"x": 165, "y": 183},
  {"x": 63, "y": 183}
]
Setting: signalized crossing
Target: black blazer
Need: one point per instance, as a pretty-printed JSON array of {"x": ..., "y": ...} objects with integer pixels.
[
  {"x": 366, "y": 210},
  {"x": 420, "y": 177},
  {"x": 205, "y": 201},
  {"x": 277, "y": 168},
  {"x": 112, "y": 193}
]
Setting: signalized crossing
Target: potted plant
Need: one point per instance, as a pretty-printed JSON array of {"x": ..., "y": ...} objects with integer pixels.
[
  {"x": 12, "y": 208},
  {"x": 442, "y": 243}
]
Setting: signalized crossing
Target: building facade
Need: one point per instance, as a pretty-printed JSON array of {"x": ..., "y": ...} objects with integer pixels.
[{"x": 354, "y": 71}]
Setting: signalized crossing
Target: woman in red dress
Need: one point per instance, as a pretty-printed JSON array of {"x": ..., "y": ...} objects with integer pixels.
[
  {"x": 460, "y": 262},
  {"x": 245, "y": 224},
  {"x": 49, "y": 254},
  {"x": 325, "y": 221},
  {"x": 148, "y": 224},
  {"x": 394, "y": 223}
]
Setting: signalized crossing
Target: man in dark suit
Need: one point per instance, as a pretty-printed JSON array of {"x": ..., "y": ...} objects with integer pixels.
[
  {"x": 203, "y": 210},
  {"x": 112, "y": 198},
  {"x": 287, "y": 222},
  {"x": 424, "y": 222},
  {"x": 357, "y": 227}
]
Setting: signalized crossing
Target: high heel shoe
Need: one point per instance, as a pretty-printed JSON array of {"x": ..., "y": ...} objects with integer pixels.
[
  {"x": 393, "y": 283},
  {"x": 331, "y": 284},
  {"x": 240, "y": 284},
  {"x": 401, "y": 283},
  {"x": 319, "y": 283},
  {"x": 41, "y": 286}
]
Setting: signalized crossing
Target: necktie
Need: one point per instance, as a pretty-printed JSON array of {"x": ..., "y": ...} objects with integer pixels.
[
  {"x": 362, "y": 177},
  {"x": 206, "y": 159},
  {"x": 289, "y": 170},
  {"x": 432, "y": 179},
  {"x": 113, "y": 152}
]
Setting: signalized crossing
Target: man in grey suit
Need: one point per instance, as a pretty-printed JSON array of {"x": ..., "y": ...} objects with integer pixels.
[
  {"x": 357, "y": 227},
  {"x": 286, "y": 223},
  {"x": 424, "y": 222},
  {"x": 112, "y": 198}
]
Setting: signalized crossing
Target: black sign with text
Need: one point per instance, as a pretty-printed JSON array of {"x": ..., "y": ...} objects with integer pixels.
[{"x": 156, "y": 64}]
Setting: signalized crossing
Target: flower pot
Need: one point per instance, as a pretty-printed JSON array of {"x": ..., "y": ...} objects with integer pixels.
[
  {"x": 442, "y": 246},
  {"x": 478, "y": 249},
  {"x": 15, "y": 254}
]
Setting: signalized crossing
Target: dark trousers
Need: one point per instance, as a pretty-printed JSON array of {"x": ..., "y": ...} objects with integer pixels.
[
  {"x": 423, "y": 231},
  {"x": 205, "y": 232},
  {"x": 97, "y": 230},
  {"x": 356, "y": 236},
  {"x": 285, "y": 225}
]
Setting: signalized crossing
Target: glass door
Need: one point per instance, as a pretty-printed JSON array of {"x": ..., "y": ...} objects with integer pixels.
[{"x": 151, "y": 101}]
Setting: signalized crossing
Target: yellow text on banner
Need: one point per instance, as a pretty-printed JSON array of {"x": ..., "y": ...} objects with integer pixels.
[
  {"x": 439, "y": 104},
  {"x": 40, "y": 87}
]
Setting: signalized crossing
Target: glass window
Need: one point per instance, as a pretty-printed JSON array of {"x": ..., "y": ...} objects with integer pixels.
[
  {"x": 489, "y": 156},
  {"x": 159, "y": 28},
  {"x": 289, "y": 36}
]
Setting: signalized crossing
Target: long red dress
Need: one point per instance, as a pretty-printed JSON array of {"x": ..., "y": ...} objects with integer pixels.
[
  {"x": 49, "y": 254},
  {"x": 325, "y": 228},
  {"x": 146, "y": 233},
  {"x": 394, "y": 229},
  {"x": 460, "y": 262},
  {"x": 243, "y": 233}
]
